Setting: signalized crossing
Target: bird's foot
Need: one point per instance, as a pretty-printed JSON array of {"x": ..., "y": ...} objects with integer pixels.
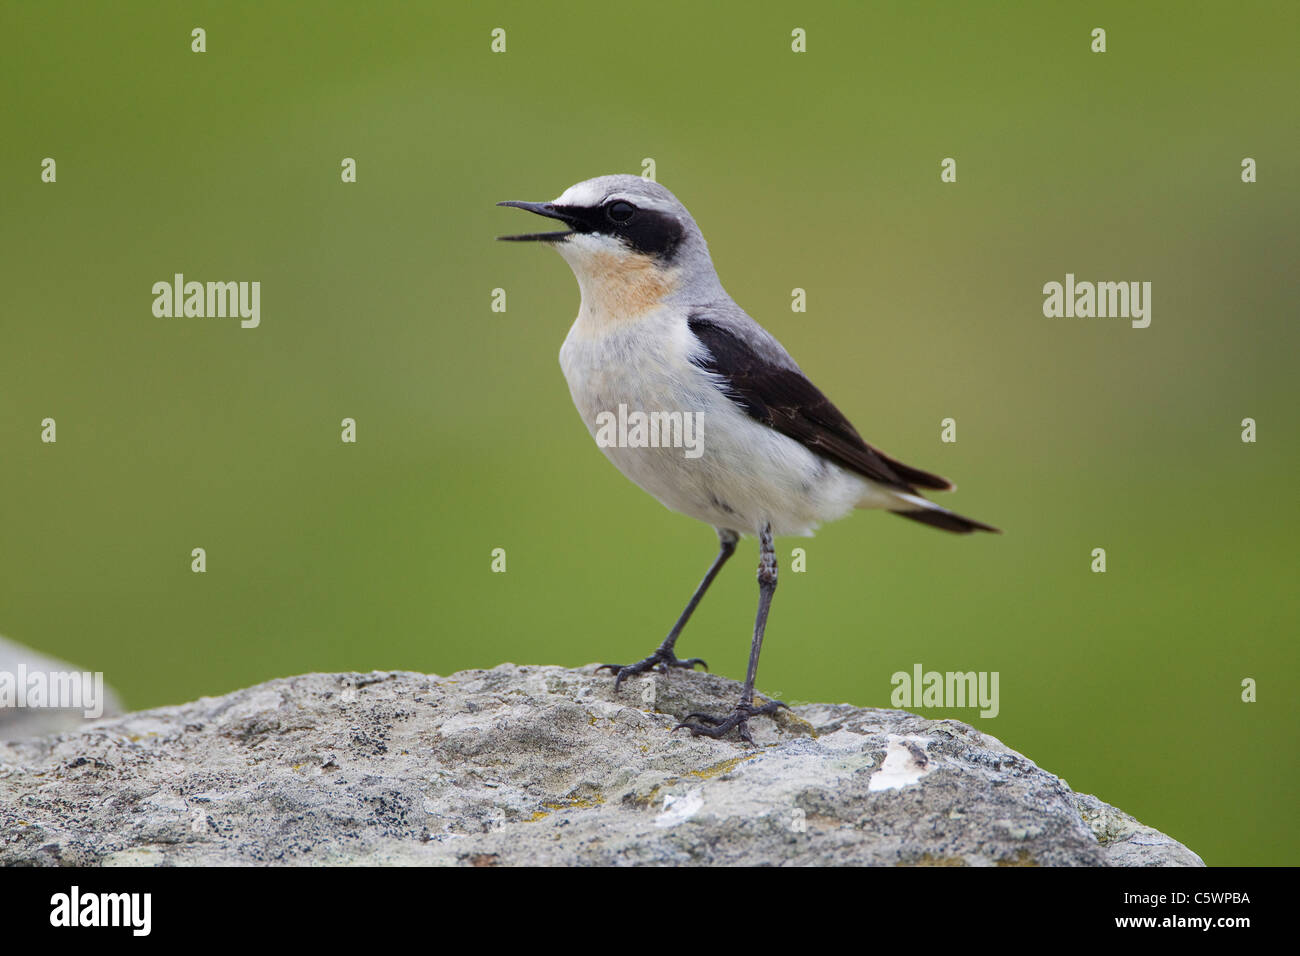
[
  {"x": 660, "y": 660},
  {"x": 707, "y": 725}
]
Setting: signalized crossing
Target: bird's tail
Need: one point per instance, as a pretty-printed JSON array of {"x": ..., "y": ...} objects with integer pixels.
[{"x": 919, "y": 509}]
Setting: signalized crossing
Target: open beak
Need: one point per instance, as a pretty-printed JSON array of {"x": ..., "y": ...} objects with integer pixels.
[{"x": 547, "y": 209}]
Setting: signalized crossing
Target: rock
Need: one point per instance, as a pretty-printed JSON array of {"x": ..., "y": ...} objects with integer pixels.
[
  {"x": 541, "y": 765},
  {"x": 17, "y": 662}
]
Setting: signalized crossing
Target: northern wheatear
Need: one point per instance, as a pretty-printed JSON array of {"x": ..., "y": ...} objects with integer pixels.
[{"x": 656, "y": 333}]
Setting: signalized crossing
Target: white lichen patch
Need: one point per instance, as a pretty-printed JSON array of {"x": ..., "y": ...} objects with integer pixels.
[
  {"x": 680, "y": 809},
  {"x": 905, "y": 763}
]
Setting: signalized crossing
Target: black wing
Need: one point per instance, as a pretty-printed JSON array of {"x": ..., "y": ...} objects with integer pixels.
[{"x": 783, "y": 399}]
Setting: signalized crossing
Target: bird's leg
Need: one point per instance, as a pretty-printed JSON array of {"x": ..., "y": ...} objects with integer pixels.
[
  {"x": 664, "y": 657},
  {"x": 711, "y": 726}
]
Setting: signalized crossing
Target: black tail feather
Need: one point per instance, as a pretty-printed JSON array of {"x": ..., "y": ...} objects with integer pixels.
[{"x": 946, "y": 520}]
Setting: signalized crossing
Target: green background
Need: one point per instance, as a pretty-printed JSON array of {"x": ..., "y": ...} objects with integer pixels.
[{"x": 818, "y": 170}]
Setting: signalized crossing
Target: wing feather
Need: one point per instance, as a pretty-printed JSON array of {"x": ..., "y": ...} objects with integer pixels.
[{"x": 781, "y": 397}]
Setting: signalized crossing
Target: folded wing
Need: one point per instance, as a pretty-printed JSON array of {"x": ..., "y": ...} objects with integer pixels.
[{"x": 772, "y": 390}]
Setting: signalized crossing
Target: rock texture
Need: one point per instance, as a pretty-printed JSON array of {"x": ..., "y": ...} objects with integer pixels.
[{"x": 540, "y": 765}]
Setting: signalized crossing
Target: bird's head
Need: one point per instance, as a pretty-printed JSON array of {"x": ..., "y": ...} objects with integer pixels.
[{"x": 628, "y": 240}]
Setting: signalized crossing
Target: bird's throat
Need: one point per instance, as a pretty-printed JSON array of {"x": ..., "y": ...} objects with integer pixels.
[{"x": 619, "y": 287}]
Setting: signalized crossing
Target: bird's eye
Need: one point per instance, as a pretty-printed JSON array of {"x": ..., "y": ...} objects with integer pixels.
[{"x": 620, "y": 211}]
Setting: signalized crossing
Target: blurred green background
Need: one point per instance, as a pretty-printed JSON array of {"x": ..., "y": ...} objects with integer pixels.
[{"x": 818, "y": 170}]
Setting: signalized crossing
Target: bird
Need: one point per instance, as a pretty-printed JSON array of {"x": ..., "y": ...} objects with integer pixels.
[{"x": 658, "y": 335}]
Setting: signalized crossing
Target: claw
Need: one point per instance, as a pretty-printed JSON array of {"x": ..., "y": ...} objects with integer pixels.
[
  {"x": 657, "y": 661},
  {"x": 710, "y": 726}
]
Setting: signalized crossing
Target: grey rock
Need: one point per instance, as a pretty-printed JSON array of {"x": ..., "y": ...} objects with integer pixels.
[
  {"x": 19, "y": 723},
  {"x": 540, "y": 765}
]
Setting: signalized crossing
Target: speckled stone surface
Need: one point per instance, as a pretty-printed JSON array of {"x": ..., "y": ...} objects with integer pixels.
[{"x": 540, "y": 765}]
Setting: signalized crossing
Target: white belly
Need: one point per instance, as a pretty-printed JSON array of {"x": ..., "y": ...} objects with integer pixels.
[{"x": 746, "y": 475}]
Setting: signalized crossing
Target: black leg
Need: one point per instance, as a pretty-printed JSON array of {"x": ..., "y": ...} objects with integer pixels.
[
  {"x": 711, "y": 726},
  {"x": 664, "y": 657}
]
